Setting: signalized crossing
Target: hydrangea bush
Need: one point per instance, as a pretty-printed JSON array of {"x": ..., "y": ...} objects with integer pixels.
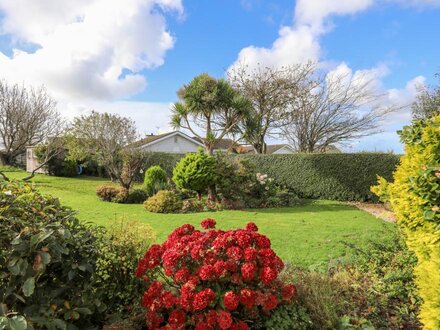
[{"x": 212, "y": 279}]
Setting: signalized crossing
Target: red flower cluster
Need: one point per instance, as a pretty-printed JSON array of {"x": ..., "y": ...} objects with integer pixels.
[{"x": 211, "y": 279}]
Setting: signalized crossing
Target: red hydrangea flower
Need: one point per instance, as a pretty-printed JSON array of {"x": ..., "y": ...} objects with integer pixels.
[
  {"x": 240, "y": 325},
  {"x": 238, "y": 264},
  {"x": 270, "y": 303},
  {"x": 248, "y": 271},
  {"x": 251, "y": 226},
  {"x": 288, "y": 292},
  {"x": 211, "y": 317},
  {"x": 234, "y": 252},
  {"x": 224, "y": 320},
  {"x": 250, "y": 254},
  {"x": 182, "y": 275},
  {"x": 268, "y": 274},
  {"x": 203, "y": 299},
  {"x": 247, "y": 298},
  {"x": 207, "y": 272},
  {"x": 203, "y": 326},
  {"x": 231, "y": 300},
  {"x": 263, "y": 242},
  {"x": 177, "y": 318},
  {"x": 208, "y": 223}
]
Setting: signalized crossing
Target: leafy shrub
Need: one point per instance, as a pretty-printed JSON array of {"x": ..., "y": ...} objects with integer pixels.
[
  {"x": 107, "y": 193},
  {"x": 415, "y": 199},
  {"x": 165, "y": 201},
  {"x": 119, "y": 251},
  {"x": 234, "y": 176},
  {"x": 47, "y": 258},
  {"x": 136, "y": 196},
  {"x": 155, "y": 180},
  {"x": 375, "y": 290},
  {"x": 381, "y": 190},
  {"x": 393, "y": 301},
  {"x": 289, "y": 317},
  {"x": 282, "y": 198},
  {"x": 121, "y": 196},
  {"x": 224, "y": 278},
  {"x": 327, "y": 176},
  {"x": 59, "y": 165},
  {"x": 196, "y": 171},
  {"x": 192, "y": 205}
]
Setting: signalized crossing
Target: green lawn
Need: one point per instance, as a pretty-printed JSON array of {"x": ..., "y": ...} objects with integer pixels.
[{"x": 310, "y": 234}]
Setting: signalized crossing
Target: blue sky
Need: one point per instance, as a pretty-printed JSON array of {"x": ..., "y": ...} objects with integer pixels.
[{"x": 131, "y": 56}]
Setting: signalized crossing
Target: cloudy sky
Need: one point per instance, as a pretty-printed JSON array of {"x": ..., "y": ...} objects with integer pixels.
[{"x": 130, "y": 56}]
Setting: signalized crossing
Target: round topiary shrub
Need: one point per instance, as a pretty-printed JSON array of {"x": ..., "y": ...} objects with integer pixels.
[
  {"x": 165, "y": 201},
  {"x": 195, "y": 171},
  {"x": 212, "y": 279},
  {"x": 155, "y": 180},
  {"x": 47, "y": 258}
]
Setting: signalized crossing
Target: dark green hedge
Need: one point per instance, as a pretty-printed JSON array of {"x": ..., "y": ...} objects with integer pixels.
[
  {"x": 165, "y": 160},
  {"x": 328, "y": 176}
]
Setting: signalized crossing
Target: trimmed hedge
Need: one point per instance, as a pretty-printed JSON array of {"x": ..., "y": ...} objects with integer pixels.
[{"x": 345, "y": 176}]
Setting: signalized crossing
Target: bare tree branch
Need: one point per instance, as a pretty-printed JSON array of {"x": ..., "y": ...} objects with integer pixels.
[
  {"x": 28, "y": 116},
  {"x": 334, "y": 108}
]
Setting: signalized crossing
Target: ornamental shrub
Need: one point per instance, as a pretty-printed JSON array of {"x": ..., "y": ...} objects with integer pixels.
[
  {"x": 107, "y": 193},
  {"x": 136, "y": 196},
  {"x": 165, "y": 201},
  {"x": 415, "y": 199},
  {"x": 195, "y": 171},
  {"x": 155, "y": 180},
  {"x": 120, "y": 249},
  {"x": 47, "y": 258},
  {"x": 212, "y": 279}
]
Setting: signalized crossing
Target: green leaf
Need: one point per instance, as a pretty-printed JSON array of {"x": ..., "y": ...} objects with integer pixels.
[
  {"x": 29, "y": 287},
  {"x": 84, "y": 311},
  {"x": 17, "y": 323},
  {"x": 45, "y": 257}
]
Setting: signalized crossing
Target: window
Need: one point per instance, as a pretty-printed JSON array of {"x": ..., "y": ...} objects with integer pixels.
[
  {"x": 175, "y": 139},
  {"x": 29, "y": 154}
]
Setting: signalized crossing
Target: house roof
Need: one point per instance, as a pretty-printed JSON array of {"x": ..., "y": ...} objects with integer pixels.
[{"x": 151, "y": 139}]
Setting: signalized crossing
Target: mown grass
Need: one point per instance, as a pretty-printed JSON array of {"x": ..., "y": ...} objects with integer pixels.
[{"x": 305, "y": 235}]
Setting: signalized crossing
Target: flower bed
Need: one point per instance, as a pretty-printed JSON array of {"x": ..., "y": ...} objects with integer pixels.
[{"x": 212, "y": 279}]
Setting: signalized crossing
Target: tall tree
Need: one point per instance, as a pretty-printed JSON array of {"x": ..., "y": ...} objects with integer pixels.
[
  {"x": 28, "y": 116},
  {"x": 427, "y": 103},
  {"x": 334, "y": 108},
  {"x": 271, "y": 91},
  {"x": 108, "y": 139},
  {"x": 210, "y": 105}
]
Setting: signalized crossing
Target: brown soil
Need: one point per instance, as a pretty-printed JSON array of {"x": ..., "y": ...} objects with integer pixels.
[{"x": 378, "y": 210}]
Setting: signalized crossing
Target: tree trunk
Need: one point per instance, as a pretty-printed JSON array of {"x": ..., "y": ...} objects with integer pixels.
[{"x": 212, "y": 193}]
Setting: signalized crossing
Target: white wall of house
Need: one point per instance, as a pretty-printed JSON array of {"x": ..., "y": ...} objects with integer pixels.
[
  {"x": 172, "y": 144},
  {"x": 284, "y": 150},
  {"x": 32, "y": 161}
]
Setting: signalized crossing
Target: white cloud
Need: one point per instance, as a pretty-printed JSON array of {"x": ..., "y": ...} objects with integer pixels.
[
  {"x": 150, "y": 117},
  {"x": 417, "y": 3},
  {"x": 299, "y": 43},
  {"x": 315, "y": 12},
  {"x": 86, "y": 48}
]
